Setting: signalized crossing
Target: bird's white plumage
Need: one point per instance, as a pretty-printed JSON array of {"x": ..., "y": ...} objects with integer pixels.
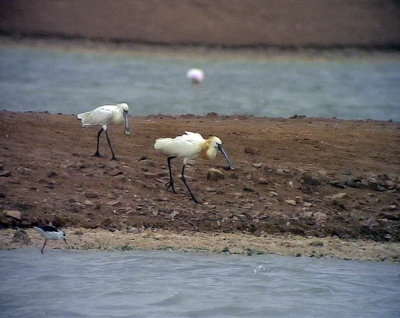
[
  {"x": 191, "y": 136},
  {"x": 187, "y": 146},
  {"x": 99, "y": 116},
  {"x": 50, "y": 235},
  {"x": 104, "y": 115}
]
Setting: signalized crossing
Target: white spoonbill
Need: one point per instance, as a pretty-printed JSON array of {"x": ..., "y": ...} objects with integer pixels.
[
  {"x": 196, "y": 75},
  {"x": 104, "y": 116},
  {"x": 189, "y": 146},
  {"x": 49, "y": 233}
]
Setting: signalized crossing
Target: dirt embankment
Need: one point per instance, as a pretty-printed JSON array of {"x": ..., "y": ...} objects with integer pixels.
[
  {"x": 301, "y": 186},
  {"x": 319, "y": 177},
  {"x": 226, "y": 23}
]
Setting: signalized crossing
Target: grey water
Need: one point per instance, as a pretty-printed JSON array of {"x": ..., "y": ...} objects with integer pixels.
[
  {"x": 71, "y": 82},
  {"x": 175, "y": 284}
]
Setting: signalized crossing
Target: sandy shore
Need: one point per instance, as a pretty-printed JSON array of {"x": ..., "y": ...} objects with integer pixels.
[{"x": 223, "y": 243}]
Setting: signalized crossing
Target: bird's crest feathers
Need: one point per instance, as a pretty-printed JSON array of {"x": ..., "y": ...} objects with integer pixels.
[{"x": 191, "y": 136}]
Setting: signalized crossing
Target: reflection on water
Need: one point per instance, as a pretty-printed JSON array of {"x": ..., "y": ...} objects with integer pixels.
[
  {"x": 73, "y": 82},
  {"x": 171, "y": 284}
]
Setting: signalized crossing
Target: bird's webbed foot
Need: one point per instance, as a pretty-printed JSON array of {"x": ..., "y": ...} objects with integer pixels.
[{"x": 114, "y": 158}]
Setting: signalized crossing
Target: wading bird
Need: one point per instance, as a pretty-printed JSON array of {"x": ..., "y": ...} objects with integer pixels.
[
  {"x": 195, "y": 75},
  {"x": 104, "y": 116},
  {"x": 189, "y": 146},
  {"x": 49, "y": 233}
]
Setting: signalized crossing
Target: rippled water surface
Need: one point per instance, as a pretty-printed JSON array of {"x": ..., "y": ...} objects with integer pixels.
[
  {"x": 171, "y": 284},
  {"x": 72, "y": 82}
]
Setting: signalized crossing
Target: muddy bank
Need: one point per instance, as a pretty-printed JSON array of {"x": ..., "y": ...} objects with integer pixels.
[{"x": 298, "y": 176}]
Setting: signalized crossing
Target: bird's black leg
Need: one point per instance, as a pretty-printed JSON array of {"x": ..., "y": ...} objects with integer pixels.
[
  {"x": 187, "y": 186},
  {"x": 109, "y": 143},
  {"x": 97, "y": 154},
  {"x": 170, "y": 183},
  {"x": 44, "y": 244}
]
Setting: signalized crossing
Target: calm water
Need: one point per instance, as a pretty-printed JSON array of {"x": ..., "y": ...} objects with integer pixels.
[
  {"x": 171, "y": 284},
  {"x": 72, "y": 82}
]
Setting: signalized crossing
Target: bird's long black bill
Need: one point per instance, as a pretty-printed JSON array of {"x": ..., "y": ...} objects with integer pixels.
[
  {"x": 230, "y": 163},
  {"x": 127, "y": 131}
]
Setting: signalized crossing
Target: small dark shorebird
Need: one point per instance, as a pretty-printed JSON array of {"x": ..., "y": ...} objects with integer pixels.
[{"x": 49, "y": 233}]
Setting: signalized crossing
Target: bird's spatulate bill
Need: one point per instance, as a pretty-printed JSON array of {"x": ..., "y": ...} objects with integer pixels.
[
  {"x": 127, "y": 130},
  {"x": 230, "y": 162}
]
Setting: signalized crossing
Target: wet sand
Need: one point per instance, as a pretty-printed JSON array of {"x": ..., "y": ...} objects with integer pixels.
[{"x": 222, "y": 243}]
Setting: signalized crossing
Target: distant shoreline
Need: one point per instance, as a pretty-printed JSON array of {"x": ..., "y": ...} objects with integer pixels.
[
  {"x": 212, "y": 47},
  {"x": 196, "y": 51},
  {"x": 211, "y": 23}
]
